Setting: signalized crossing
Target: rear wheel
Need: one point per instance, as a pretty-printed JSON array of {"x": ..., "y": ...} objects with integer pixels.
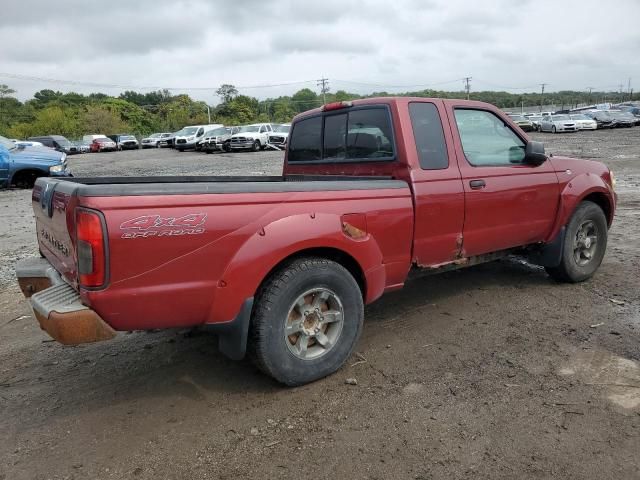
[
  {"x": 585, "y": 243},
  {"x": 306, "y": 322}
]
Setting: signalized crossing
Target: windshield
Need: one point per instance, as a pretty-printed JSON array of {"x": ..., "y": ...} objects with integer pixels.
[
  {"x": 579, "y": 117},
  {"x": 249, "y": 128},
  {"x": 155, "y": 135},
  {"x": 217, "y": 131},
  {"x": 187, "y": 131},
  {"x": 127, "y": 137},
  {"x": 6, "y": 143},
  {"x": 282, "y": 128},
  {"x": 560, "y": 118}
]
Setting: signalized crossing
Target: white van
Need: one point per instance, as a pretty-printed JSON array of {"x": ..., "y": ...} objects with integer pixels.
[{"x": 192, "y": 134}]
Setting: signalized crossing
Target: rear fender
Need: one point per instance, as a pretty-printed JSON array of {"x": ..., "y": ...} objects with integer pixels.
[
  {"x": 579, "y": 188},
  {"x": 285, "y": 237}
]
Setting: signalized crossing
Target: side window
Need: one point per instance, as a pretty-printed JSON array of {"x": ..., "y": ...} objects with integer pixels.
[
  {"x": 369, "y": 134},
  {"x": 306, "y": 140},
  {"x": 263, "y": 129},
  {"x": 200, "y": 132},
  {"x": 487, "y": 140},
  {"x": 429, "y": 136},
  {"x": 335, "y": 131}
]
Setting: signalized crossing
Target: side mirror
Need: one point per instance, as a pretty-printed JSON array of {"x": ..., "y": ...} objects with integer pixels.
[{"x": 534, "y": 153}]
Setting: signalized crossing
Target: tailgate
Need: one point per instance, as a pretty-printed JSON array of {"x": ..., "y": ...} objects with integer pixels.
[{"x": 53, "y": 205}]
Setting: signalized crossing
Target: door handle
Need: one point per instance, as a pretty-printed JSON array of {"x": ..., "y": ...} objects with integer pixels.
[{"x": 477, "y": 184}]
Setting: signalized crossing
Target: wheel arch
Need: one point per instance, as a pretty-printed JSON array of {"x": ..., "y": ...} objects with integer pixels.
[
  {"x": 25, "y": 171},
  {"x": 271, "y": 247}
]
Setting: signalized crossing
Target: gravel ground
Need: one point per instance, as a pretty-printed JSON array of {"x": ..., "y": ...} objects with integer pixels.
[{"x": 489, "y": 372}]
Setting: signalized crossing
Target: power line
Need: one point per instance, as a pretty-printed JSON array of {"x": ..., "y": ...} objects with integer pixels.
[
  {"x": 423, "y": 85},
  {"x": 138, "y": 87}
]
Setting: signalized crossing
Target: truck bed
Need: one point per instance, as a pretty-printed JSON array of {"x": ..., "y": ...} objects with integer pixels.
[{"x": 192, "y": 240}]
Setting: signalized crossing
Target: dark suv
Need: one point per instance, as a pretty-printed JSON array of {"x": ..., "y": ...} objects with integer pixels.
[
  {"x": 124, "y": 141},
  {"x": 57, "y": 142}
]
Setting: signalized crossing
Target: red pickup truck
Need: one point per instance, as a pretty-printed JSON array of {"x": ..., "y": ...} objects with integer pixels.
[{"x": 373, "y": 191}]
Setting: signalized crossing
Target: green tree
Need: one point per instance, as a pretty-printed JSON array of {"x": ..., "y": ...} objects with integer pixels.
[
  {"x": 227, "y": 92},
  {"x": 5, "y": 91},
  {"x": 101, "y": 119},
  {"x": 305, "y": 99}
]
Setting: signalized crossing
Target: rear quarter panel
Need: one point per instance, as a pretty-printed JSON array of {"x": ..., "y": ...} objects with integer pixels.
[{"x": 189, "y": 276}]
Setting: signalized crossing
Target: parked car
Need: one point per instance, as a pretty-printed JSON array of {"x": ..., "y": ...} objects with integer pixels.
[
  {"x": 21, "y": 165},
  {"x": 189, "y": 136},
  {"x": 633, "y": 110},
  {"x": 286, "y": 263},
  {"x": 622, "y": 119},
  {"x": 153, "y": 140},
  {"x": 27, "y": 143},
  {"x": 83, "y": 146},
  {"x": 557, "y": 124},
  {"x": 535, "y": 121},
  {"x": 583, "y": 122},
  {"x": 167, "y": 141},
  {"x": 216, "y": 140},
  {"x": 103, "y": 145},
  {"x": 57, "y": 142},
  {"x": 90, "y": 138},
  {"x": 279, "y": 135},
  {"x": 523, "y": 122},
  {"x": 251, "y": 137},
  {"x": 602, "y": 118},
  {"x": 125, "y": 141}
]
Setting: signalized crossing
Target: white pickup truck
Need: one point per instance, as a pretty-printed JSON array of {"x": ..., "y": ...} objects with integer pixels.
[{"x": 251, "y": 137}]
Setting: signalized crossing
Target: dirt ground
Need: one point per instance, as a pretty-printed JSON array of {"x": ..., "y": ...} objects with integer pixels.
[{"x": 489, "y": 372}]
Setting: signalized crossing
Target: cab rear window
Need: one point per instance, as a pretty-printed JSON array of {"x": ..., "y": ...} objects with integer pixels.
[{"x": 356, "y": 135}]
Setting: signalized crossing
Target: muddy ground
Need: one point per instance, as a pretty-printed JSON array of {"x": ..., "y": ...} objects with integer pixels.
[{"x": 490, "y": 372}]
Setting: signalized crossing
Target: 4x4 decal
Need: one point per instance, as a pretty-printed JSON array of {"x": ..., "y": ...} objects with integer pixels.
[{"x": 158, "y": 226}]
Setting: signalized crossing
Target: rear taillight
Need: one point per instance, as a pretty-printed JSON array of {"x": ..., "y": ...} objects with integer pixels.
[{"x": 90, "y": 246}]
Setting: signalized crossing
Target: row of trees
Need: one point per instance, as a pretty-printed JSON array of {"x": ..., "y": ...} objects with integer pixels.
[{"x": 73, "y": 114}]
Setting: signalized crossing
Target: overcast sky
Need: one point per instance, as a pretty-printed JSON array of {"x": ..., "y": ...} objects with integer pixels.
[{"x": 397, "y": 45}]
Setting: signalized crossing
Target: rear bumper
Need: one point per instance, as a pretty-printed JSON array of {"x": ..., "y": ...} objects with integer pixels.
[
  {"x": 60, "y": 312},
  {"x": 57, "y": 306}
]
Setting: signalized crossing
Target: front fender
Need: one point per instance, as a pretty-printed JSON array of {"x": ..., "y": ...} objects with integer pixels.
[
  {"x": 574, "y": 192},
  {"x": 285, "y": 237}
]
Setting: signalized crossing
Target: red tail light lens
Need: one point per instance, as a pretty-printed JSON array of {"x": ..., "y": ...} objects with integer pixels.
[
  {"x": 336, "y": 106},
  {"x": 90, "y": 247}
]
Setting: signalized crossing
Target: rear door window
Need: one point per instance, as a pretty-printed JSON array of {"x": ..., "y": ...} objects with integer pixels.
[{"x": 429, "y": 136}]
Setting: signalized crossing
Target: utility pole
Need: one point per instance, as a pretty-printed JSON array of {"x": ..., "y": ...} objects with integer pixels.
[
  {"x": 467, "y": 85},
  {"x": 542, "y": 94},
  {"x": 323, "y": 83},
  {"x": 590, "y": 89},
  {"x": 621, "y": 95},
  {"x": 209, "y": 114},
  {"x": 629, "y": 88}
]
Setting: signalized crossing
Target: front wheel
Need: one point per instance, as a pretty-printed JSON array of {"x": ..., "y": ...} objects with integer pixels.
[
  {"x": 306, "y": 321},
  {"x": 256, "y": 146},
  {"x": 553, "y": 129},
  {"x": 585, "y": 243}
]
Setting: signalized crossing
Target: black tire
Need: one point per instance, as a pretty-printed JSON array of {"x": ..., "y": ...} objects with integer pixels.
[
  {"x": 569, "y": 269},
  {"x": 553, "y": 129},
  {"x": 25, "y": 179},
  {"x": 256, "y": 146},
  {"x": 226, "y": 146},
  {"x": 268, "y": 346}
]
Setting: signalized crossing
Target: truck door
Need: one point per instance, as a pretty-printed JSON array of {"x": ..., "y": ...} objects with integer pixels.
[
  {"x": 508, "y": 203},
  {"x": 437, "y": 186}
]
